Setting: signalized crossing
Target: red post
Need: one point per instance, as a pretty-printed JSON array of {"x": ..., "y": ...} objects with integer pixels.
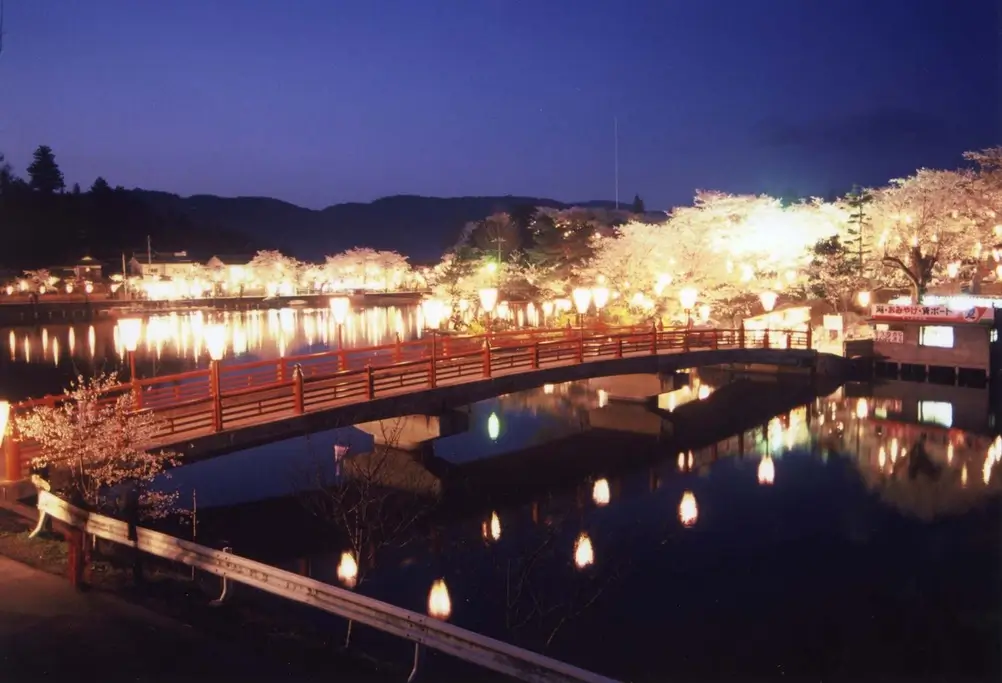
[
  {"x": 685, "y": 338},
  {"x": 370, "y": 383},
  {"x": 75, "y": 559},
  {"x": 619, "y": 346},
  {"x": 217, "y": 399},
  {"x": 535, "y": 355},
  {"x": 789, "y": 340},
  {"x": 341, "y": 364},
  {"x": 765, "y": 338},
  {"x": 431, "y": 365},
  {"x": 715, "y": 343},
  {"x": 487, "y": 358},
  {"x": 12, "y": 453},
  {"x": 297, "y": 390},
  {"x": 810, "y": 342},
  {"x": 741, "y": 335},
  {"x": 280, "y": 375},
  {"x": 654, "y": 339}
]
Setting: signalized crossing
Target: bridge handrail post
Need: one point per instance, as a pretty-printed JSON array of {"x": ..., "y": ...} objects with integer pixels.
[
  {"x": 431, "y": 365},
  {"x": 370, "y": 382},
  {"x": 685, "y": 338},
  {"x": 741, "y": 335},
  {"x": 397, "y": 354},
  {"x": 789, "y": 340},
  {"x": 654, "y": 339},
  {"x": 765, "y": 338},
  {"x": 11, "y": 452},
  {"x": 487, "y": 357},
  {"x": 810, "y": 344},
  {"x": 297, "y": 389},
  {"x": 581, "y": 347},
  {"x": 619, "y": 346},
  {"x": 535, "y": 355},
  {"x": 281, "y": 370},
  {"x": 217, "y": 401}
]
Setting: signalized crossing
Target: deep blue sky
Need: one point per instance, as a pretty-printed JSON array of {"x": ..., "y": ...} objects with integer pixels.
[{"x": 324, "y": 101}]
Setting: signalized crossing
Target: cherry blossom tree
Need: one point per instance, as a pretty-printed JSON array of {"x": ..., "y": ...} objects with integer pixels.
[
  {"x": 272, "y": 266},
  {"x": 928, "y": 221},
  {"x": 97, "y": 443},
  {"x": 39, "y": 278},
  {"x": 365, "y": 267}
]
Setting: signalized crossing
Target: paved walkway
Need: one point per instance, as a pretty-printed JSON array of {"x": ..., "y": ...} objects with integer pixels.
[{"x": 49, "y": 632}]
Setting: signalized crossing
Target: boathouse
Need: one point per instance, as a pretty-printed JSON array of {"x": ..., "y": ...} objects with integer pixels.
[{"x": 923, "y": 341}]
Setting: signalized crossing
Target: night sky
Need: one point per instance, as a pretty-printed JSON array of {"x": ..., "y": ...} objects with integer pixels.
[{"x": 324, "y": 101}]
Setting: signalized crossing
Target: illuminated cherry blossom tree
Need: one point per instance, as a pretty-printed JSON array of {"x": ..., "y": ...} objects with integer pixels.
[
  {"x": 97, "y": 443},
  {"x": 928, "y": 221}
]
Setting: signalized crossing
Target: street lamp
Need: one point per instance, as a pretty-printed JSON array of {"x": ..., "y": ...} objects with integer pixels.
[
  {"x": 582, "y": 299},
  {"x": 488, "y": 299},
  {"x": 215, "y": 343},
  {"x": 600, "y": 295},
  {"x": 768, "y": 299},
  {"x": 130, "y": 330},
  {"x": 687, "y": 297},
  {"x": 864, "y": 299},
  {"x": 340, "y": 305}
]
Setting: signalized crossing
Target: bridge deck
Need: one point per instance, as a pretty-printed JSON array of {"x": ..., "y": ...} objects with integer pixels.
[{"x": 235, "y": 406}]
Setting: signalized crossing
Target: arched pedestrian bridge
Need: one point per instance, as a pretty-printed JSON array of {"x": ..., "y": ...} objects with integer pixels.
[{"x": 233, "y": 406}]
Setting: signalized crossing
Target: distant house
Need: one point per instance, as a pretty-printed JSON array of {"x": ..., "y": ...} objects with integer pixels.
[
  {"x": 87, "y": 268},
  {"x": 229, "y": 268},
  {"x": 176, "y": 265}
]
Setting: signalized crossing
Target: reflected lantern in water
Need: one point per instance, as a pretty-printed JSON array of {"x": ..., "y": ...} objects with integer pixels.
[
  {"x": 688, "y": 511},
  {"x": 584, "y": 553},
  {"x": 767, "y": 471},
  {"x": 600, "y": 493},
  {"x": 439, "y": 602},
  {"x": 493, "y": 426},
  {"x": 215, "y": 338},
  {"x": 491, "y": 530},
  {"x": 862, "y": 409},
  {"x": 347, "y": 570}
]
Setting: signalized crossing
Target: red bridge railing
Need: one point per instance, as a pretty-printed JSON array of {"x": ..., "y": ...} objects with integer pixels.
[{"x": 230, "y": 396}]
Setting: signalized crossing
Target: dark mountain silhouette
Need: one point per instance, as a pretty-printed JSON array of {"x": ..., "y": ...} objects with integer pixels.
[
  {"x": 420, "y": 227},
  {"x": 44, "y": 224}
]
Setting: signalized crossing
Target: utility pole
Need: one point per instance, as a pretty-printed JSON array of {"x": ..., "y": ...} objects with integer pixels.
[
  {"x": 149, "y": 251},
  {"x": 615, "y": 142}
]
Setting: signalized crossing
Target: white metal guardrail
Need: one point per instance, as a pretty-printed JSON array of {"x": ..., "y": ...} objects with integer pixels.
[{"x": 423, "y": 630}]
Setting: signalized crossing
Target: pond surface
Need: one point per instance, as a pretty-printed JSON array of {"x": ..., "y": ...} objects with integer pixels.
[
  {"x": 37, "y": 360},
  {"x": 735, "y": 528}
]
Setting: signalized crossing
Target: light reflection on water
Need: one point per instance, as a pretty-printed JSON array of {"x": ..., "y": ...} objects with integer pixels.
[
  {"x": 176, "y": 342},
  {"x": 741, "y": 537},
  {"x": 258, "y": 333}
]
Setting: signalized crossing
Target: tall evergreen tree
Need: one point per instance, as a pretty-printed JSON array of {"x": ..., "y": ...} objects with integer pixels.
[
  {"x": 858, "y": 199},
  {"x": 44, "y": 175},
  {"x": 638, "y": 204}
]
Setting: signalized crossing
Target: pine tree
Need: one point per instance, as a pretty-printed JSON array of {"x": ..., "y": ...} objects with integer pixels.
[
  {"x": 638, "y": 204},
  {"x": 44, "y": 175},
  {"x": 858, "y": 199}
]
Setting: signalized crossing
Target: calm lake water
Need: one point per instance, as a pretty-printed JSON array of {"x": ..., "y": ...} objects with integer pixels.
[
  {"x": 854, "y": 535},
  {"x": 734, "y": 528},
  {"x": 36, "y": 360}
]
